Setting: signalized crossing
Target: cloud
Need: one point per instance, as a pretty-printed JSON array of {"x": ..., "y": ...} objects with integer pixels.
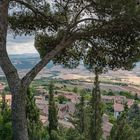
[{"x": 20, "y": 44}]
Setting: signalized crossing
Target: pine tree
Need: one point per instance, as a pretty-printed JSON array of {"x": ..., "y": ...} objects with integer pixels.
[
  {"x": 116, "y": 23},
  {"x": 95, "y": 131},
  {"x": 53, "y": 111}
]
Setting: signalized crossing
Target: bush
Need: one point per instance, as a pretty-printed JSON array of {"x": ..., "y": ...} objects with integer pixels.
[
  {"x": 75, "y": 90},
  {"x": 62, "y": 99}
]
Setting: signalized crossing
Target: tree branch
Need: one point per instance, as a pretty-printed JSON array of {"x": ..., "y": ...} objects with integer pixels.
[
  {"x": 78, "y": 14},
  {"x": 27, "y": 5},
  {"x": 5, "y": 63},
  {"x": 36, "y": 11},
  {"x": 85, "y": 19},
  {"x": 28, "y": 78}
]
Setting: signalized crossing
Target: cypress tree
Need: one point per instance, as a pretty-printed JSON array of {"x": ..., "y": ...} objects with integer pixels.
[
  {"x": 136, "y": 96},
  {"x": 79, "y": 116},
  {"x": 81, "y": 113},
  {"x": 134, "y": 111},
  {"x": 53, "y": 111},
  {"x": 134, "y": 119},
  {"x": 122, "y": 128},
  {"x": 96, "y": 112},
  {"x": 35, "y": 127}
]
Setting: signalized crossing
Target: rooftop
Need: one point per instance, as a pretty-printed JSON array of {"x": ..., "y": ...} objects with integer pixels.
[{"x": 118, "y": 107}]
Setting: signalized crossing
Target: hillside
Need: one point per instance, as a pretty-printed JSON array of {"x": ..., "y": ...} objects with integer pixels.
[{"x": 25, "y": 62}]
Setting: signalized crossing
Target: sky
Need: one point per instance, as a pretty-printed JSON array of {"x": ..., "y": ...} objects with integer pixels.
[{"x": 20, "y": 44}]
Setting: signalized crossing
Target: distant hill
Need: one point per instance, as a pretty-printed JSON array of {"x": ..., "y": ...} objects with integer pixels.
[{"x": 26, "y": 61}]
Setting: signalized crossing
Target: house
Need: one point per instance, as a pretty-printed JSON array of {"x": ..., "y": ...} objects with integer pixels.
[
  {"x": 120, "y": 99},
  {"x": 130, "y": 102},
  {"x": 42, "y": 104},
  {"x": 114, "y": 99},
  {"x": 107, "y": 126},
  {"x": 39, "y": 97},
  {"x": 44, "y": 119},
  {"x": 118, "y": 102},
  {"x": 74, "y": 98},
  {"x": 8, "y": 99},
  {"x": 41, "y": 91},
  {"x": 107, "y": 99},
  {"x": 118, "y": 108},
  {"x": 65, "y": 110},
  {"x": 2, "y": 86}
]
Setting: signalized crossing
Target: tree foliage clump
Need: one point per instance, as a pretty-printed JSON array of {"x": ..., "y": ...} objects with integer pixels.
[{"x": 110, "y": 27}]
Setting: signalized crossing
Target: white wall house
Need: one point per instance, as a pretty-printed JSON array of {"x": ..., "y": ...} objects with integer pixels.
[{"x": 118, "y": 108}]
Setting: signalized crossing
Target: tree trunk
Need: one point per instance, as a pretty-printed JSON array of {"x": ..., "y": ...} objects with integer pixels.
[
  {"x": 18, "y": 91},
  {"x": 19, "y": 114}
]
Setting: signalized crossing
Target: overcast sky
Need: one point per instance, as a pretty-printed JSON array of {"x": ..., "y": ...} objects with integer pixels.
[{"x": 20, "y": 45}]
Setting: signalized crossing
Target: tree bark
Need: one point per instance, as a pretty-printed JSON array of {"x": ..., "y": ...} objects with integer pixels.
[
  {"x": 18, "y": 92},
  {"x": 19, "y": 114}
]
